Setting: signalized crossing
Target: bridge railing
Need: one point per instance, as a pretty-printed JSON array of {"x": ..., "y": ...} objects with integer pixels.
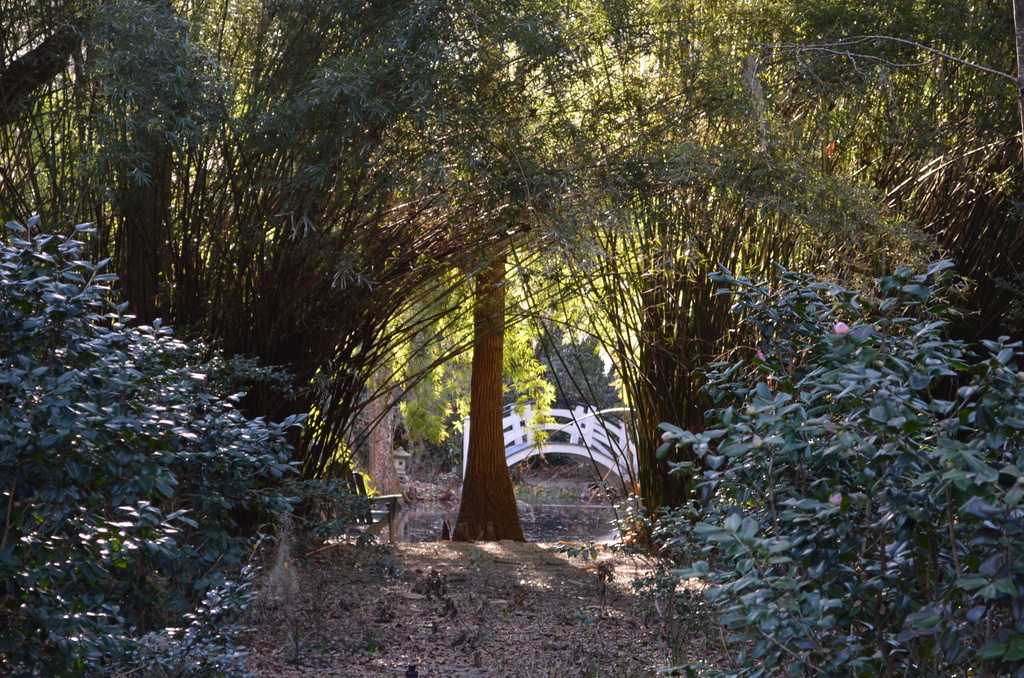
[{"x": 580, "y": 431}]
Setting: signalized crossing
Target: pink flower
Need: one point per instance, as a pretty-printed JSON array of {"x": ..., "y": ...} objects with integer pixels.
[
  {"x": 666, "y": 436},
  {"x": 841, "y": 328},
  {"x": 836, "y": 499},
  {"x": 760, "y": 355}
]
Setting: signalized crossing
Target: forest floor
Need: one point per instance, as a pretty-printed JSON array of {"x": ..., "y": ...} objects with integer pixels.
[
  {"x": 523, "y": 610},
  {"x": 461, "y": 609}
]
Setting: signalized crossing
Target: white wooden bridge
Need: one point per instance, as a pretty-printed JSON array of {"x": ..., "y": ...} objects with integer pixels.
[{"x": 581, "y": 431}]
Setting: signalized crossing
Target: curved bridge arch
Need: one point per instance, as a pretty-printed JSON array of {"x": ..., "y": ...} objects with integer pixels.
[{"x": 583, "y": 432}]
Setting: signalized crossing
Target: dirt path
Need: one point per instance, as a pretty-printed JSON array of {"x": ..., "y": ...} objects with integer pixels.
[{"x": 489, "y": 609}]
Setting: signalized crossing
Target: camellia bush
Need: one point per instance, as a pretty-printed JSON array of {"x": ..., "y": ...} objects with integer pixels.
[
  {"x": 122, "y": 462},
  {"x": 860, "y": 485}
]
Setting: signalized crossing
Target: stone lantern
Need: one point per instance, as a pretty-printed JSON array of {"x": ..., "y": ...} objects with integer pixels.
[{"x": 401, "y": 457}]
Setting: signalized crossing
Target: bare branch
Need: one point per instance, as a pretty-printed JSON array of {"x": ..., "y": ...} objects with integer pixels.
[{"x": 841, "y": 48}]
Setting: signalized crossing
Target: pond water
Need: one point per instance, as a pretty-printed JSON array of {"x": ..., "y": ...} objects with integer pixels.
[{"x": 541, "y": 522}]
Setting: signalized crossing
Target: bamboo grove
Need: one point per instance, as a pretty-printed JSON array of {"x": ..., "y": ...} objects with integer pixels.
[{"x": 313, "y": 183}]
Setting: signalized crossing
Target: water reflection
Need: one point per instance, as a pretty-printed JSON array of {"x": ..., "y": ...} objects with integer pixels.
[{"x": 541, "y": 522}]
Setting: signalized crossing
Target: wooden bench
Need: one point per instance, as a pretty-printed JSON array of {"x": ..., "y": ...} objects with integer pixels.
[{"x": 378, "y": 511}]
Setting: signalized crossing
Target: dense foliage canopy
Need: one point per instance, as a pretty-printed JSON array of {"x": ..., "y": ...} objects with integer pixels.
[
  {"x": 315, "y": 185},
  {"x": 312, "y": 183}
]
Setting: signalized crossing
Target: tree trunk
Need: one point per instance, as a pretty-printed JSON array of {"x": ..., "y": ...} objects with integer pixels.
[
  {"x": 488, "y": 507},
  {"x": 38, "y": 67},
  {"x": 383, "y": 477},
  {"x": 665, "y": 389},
  {"x": 141, "y": 239},
  {"x": 1018, "y": 25}
]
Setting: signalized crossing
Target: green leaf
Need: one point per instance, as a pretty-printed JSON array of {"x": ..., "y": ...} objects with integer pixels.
[
  {"x": 1014, "y": 422},
  {"x": 1007, "y": 587},
  {"x": 920, "y": 382},
  {"x": 976, "y": 613},
  {"x": 984, "y": 419},
  {"x": 923, "y": 620},
  {"x": 971, "y": 583},
  {"x": 988, "y": 592},
  {"x": 992, "y": 652},
  {"x": 1016, "y": 650},
  {"x": 919, "y": 291},
  {"x": 938, "y": 266}
]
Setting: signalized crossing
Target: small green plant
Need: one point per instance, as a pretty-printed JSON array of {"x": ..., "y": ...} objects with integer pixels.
[
  {"x": 476, "y": 558},
  {"x": 374, "y": 642},
  {"x": 328, "y": 508},
  {"x": 587, "y": 551},
  {"x": 587, "y": 615},
  {"x": 284, "y": 585},
  {"x": 861, "y": 486},
  {"x": 380, "y": 560}
]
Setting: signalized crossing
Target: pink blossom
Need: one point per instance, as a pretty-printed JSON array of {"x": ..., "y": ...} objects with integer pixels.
[
  {"x": 665, "y": 436},
  {"x": 760, "y": 355},
  {"x": 836, "y": 499},
  {"x": 841, "y": 328}
]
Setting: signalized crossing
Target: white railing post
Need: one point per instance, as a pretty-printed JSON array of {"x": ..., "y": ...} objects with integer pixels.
[{"x": 465, "y": 445}]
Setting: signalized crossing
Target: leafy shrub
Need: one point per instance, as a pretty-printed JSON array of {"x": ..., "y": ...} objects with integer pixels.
[
  {"x": 330, "y": 508},
  {"x": 120, "y": 466},
  {"x": 861, "y": 492}
]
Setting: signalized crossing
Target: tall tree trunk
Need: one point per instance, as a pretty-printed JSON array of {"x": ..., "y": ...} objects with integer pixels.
[
  {"x": 383, "y": 477},
  {"x": 667, "y": 392},
  {"x": 488, "y": 507}
]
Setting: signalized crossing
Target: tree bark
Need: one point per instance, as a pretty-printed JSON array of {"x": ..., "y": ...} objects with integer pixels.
[
  {"x": 383, "y": 477},
  {"x": 141, "y": 241},
  {"x": 35, "y": 69},
  {"x": 488, "y": 508}
]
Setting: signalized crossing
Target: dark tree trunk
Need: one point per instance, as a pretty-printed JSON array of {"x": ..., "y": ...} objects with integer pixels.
[
  {"x": 667, "y": 391},
  {"x": 488, "y": 507},
  {"x": 141, "y": 240},
  {"x": 1018, "y": 25},
  {"x": 35, "y": 69}
]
